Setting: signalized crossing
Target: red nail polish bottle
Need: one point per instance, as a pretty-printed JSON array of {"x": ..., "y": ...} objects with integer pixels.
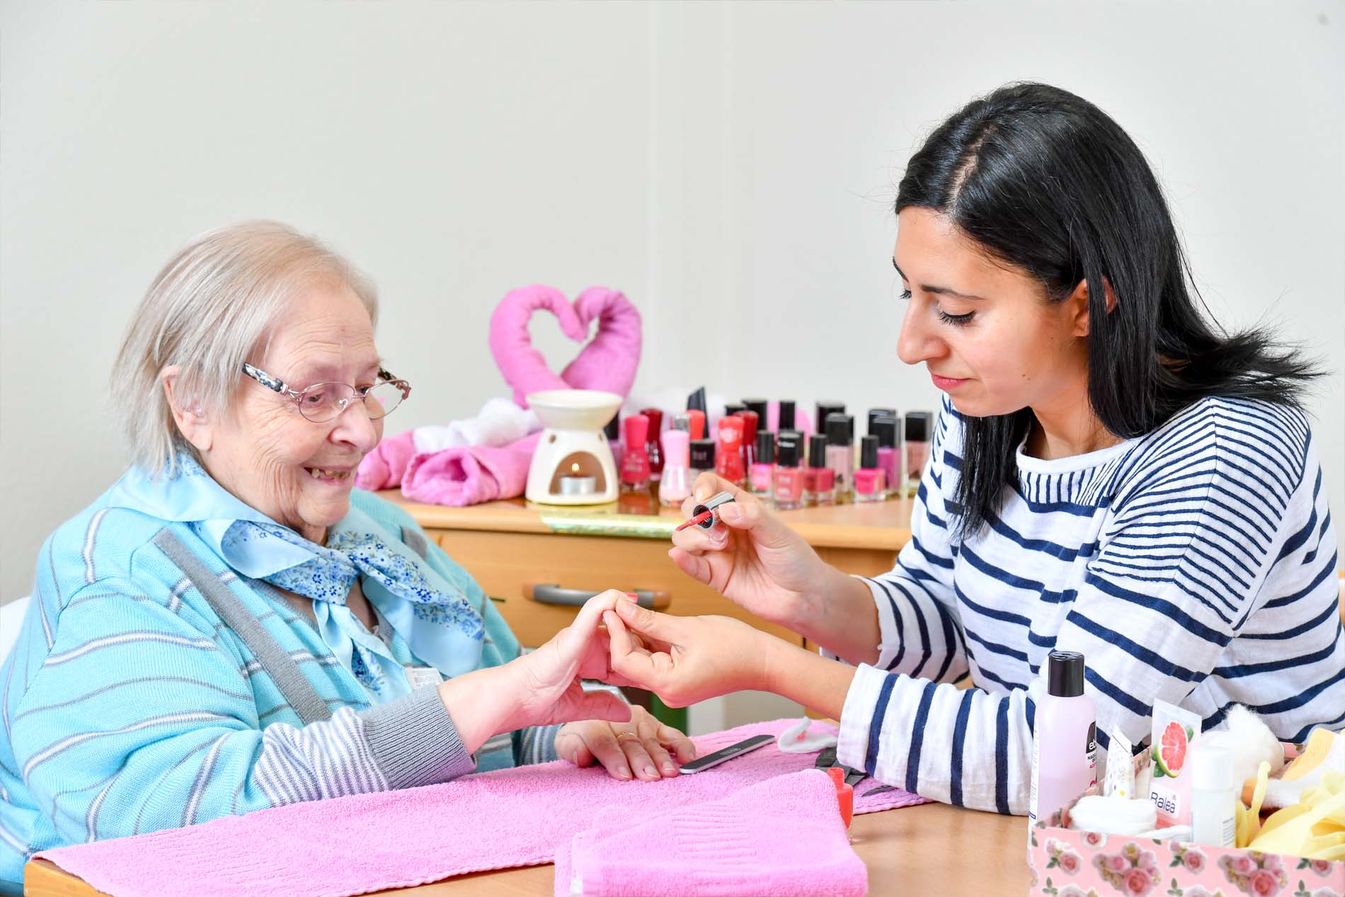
[
  {"x": 729, "y": 452},
  {"x": 635, "y": 461}
]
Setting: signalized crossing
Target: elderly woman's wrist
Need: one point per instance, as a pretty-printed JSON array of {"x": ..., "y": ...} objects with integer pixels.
[{"x": 481, "y": 704}]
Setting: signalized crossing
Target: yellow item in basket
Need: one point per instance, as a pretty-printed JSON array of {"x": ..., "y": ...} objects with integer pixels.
[
  {"x": 1249, "y": 818},
  {"x": 1312, "y": 828}
]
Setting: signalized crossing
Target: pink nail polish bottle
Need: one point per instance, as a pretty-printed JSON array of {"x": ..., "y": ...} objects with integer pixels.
[
  {"x": 819, "y": 482},
  {"x": 885, "y": 428},
  {"x": 841, "y": 453},
  {"x": 763, "y": 464},
  {"x": 917, "y": 449},
  {"x": 788, "y": 477},
  {"x": 635, "y": 461},
  {"x": 870, "y": 480},
  {"x": 675, "y": 485}
]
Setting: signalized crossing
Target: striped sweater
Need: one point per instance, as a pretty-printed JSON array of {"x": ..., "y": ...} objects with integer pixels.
[
  {"x": 1195, "y": 564},
  {"x": 129, "y": 705}
]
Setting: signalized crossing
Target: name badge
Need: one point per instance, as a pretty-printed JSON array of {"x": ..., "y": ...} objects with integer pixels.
[{"x": 419, "y": 677}]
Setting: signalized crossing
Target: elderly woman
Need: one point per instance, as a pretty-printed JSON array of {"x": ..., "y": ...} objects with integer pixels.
[{"x": 231, "y": 626}]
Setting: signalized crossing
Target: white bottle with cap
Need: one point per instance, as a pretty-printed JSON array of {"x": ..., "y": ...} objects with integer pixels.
[
  {"x": 1064, "y": 744},
  {"x": 1214, "y": 795}
]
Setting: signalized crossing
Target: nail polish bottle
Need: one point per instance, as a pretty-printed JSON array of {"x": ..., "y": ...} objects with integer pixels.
[
  {"x": 840, "y": 453},
  {"x": 635, "y": 462},
  {"x": 825, "y": 410},
  {"x": 696, "y": 422},
  {"x": 763, "y": 464},
  {"x": 875, "y": 413},
  {"x": 675, "y": 485},
  {"x": 819, "y": 482},
  {"x": 885, "y": 428},
  {"x": 652, "y": 445},
  {"x": 785, "y": 418},
  {"x": 870, "y": 480},
  {"x": 750, "y": 430},
  {"x": 702, "y": 458},
  {"x": 917, "y": 449},
  {"x": 760, "y": 408},
  {"x": 729, "y": 451},
  {"x": 788, "y": 477}
]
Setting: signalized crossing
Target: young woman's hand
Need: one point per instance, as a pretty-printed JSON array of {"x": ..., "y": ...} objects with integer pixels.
[
  {"x": 754, "y": 560},
  {"x": 643, "y": 746},
  {"x": 686, "y": 659}
]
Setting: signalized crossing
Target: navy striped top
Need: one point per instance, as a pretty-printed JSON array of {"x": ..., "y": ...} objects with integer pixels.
[{"x": 1195, "y": 564}]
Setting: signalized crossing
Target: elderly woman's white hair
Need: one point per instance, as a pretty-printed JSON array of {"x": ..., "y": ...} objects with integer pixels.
[{"x": 209, "y": 309}]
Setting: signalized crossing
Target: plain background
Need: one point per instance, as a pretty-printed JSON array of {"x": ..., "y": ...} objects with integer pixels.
[{"x": 731, "y": 167}]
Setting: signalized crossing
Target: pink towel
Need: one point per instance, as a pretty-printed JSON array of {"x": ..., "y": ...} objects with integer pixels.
[
  {"x": 470, "y": 474},
  {"x": 783, "y": 837},
  {"x": 369, "y": 842},
  {"x": 385, "y": 467},
  {"x": 607, "y": 363}
]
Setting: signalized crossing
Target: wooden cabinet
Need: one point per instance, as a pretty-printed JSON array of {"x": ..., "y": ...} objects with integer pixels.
[{"x": 509, "y": 547}]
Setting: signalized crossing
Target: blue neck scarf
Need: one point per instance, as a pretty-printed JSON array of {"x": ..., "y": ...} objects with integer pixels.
[{"x": 432, "y": 620}]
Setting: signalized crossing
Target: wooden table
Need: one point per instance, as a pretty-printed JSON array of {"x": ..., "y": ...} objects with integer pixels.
[
  {"x": 509, "y": 546},
  {"x": 925, "y": 850}
]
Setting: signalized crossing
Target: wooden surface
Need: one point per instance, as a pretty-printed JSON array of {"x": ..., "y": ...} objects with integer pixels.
[
  {"x": 925, "y": 850},
  {"x": 509, "y": 546}
]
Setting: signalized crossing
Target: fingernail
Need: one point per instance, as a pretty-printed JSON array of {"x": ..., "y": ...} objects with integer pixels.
[
  {"x": 669, "y": 769},
  {"x": 632, "y": 596},
  {"x": 731, "y": 513},
  {"x": 622, "y": 772},
  {"x": 649, "y": 771}
]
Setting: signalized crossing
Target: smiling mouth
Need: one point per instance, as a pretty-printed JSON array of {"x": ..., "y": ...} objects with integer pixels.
[{"x": 323, "y": 473}]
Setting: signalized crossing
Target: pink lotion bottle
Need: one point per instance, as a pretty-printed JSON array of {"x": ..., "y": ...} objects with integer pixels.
[{"x": 1064, "y": 744}]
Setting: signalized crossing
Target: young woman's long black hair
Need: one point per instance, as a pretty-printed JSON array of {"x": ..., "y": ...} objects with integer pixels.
[{"x": 1047, "y": 182}]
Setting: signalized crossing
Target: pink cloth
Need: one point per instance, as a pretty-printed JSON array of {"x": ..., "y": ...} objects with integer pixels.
[
  {"x": 607, "y": 363},
  {"x": 385, "y": 466},
  {"x": 470, "y": 474},
  {"x": 783, "y": 837},
  {"x": 369, "y": 842}
]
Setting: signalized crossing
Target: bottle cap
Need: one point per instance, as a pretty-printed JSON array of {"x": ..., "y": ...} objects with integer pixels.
[
  {"x": 817, "y": 451},
  {"x": 875, "y": 413},
  {"x": 838, "y": 428},
  {"x": 793, "y": 436},
  {"x": 613, "y": 428},
  {"x": 885, "y": 428},
  {"x": 681, "y": 422},
  {"x": 917, "y": 426},
  {"x": 824, "y": 410},
  {"x": 696, "y": 401},
  {"x": 788, "y": 455},
  {"x": 702, "y": 454},
  {"x": 758, "y": 405},
  {"x": 637, "y": 431},
  {"x": 786, "y": 421},
  {"x": 765, "y": 447},
  {"x": 1064, "y": 674},
  {"x": 1213, "y": 769},
  {"x": 868, "y": 452},
  {"x": 734, "y": 408}
]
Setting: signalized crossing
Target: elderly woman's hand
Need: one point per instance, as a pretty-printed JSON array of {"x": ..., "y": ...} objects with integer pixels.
[{"x": 644, "y": 745}]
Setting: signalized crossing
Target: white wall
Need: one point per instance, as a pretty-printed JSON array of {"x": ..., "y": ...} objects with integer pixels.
[{"x": 731, "y": 167}]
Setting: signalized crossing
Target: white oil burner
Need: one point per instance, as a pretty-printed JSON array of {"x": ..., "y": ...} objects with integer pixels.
[{"x": 573, "y": 462}]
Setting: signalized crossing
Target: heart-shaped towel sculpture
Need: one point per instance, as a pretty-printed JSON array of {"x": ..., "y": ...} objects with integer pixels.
[
  {"x": 607, "y": 363},
  {"x": 492, "y": 468}
]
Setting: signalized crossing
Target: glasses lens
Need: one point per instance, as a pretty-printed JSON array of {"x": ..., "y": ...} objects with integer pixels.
[
  {"x": 322, "y": 402},
  {"x": 382, "y": 399}
]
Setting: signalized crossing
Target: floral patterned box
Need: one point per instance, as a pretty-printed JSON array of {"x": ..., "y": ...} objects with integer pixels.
[{"x": 1070, "y": 863}]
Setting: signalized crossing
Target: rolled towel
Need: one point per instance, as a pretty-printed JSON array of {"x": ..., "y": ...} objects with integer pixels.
[{"x": 470, "y": 474}]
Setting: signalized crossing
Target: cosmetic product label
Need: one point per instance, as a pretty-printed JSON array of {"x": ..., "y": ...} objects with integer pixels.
[
  {"x": 1120, "y": 780},
  {"x": 1175, "y": 732}
]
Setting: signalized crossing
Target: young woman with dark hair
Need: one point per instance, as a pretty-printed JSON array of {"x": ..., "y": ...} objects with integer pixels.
[{"x": 1109, "y": 475}]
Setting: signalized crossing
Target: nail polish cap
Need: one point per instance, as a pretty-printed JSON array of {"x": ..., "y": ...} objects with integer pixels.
[
  {"x": 917, "y": 426},
  {"x": 817, "y": 451},
  {"x": 788, "y": 455},
  {"x": 702, "y": 454},
  {"x": 696, "y": 401},
  {"x": 765, "y": 447},
  {"x": 681, "y": 422},
  {"x": 786, "y": 421},
  {"x": 885, "y": 428},
  {"x": 1064, "y": 674},
  {"x": 676, "y": 448},
  {"x": 839, "y": 429},
  {"x": 784, "y": 436},
  {"x": 825, "y": 410},
  {"x": 880, "y": 412},
  {"x": 613, "y": 428},
  {"x": 868, "y": 452},
  {"x": 758, "y": 405},
  {"x": 734, "y": 408},
  {"x": 637, "y": 431}
]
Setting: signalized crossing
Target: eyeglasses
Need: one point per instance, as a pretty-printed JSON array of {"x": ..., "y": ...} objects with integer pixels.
[{"x": 325, "y": 402}]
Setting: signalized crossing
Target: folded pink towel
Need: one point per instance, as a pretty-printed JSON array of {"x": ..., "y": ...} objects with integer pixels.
[
  {"x": 385, "y": 466},
  {"x": 369, "y": 842},
  {"x": 470, "y": 474},
  {"x": 779, "y": 838},
  {"x": 607, "y": 363}
]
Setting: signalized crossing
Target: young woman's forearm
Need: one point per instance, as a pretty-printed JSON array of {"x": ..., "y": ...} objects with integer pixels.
[
  {"x": 842, "y": 618},
  {"x": 816, "y": 682}
]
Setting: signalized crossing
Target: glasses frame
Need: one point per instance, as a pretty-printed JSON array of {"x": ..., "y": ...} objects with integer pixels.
[{"x": 275, "y": 384}]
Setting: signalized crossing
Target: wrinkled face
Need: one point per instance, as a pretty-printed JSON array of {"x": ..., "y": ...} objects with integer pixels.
[
  {"x": 297, "y": 472},
  {"x": 986, "y": 332}
]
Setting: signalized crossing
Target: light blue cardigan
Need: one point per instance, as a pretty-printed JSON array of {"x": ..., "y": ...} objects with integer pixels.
[{"x": 129, "y": 705}]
